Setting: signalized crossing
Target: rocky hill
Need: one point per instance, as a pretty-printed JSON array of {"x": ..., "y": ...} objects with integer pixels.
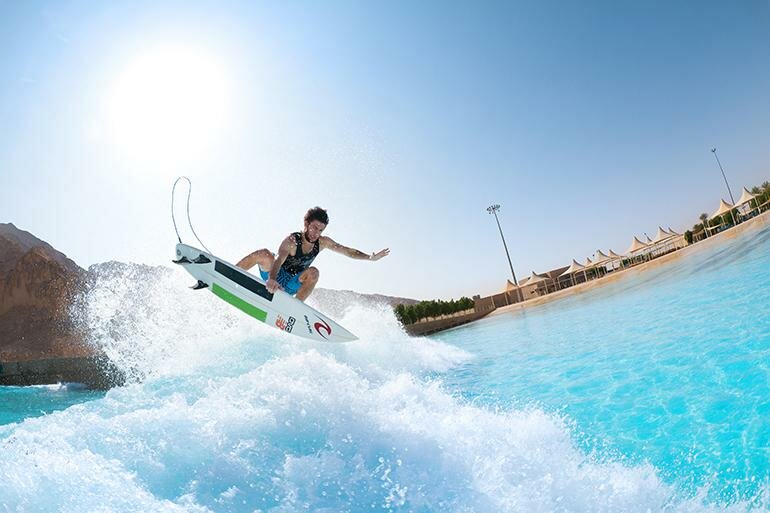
[{"x": 37, "y": 284}]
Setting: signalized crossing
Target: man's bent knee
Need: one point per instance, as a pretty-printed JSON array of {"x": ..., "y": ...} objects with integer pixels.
[
  {"x": 311, "y": 274},
  {"x": 264, "y": 257}
]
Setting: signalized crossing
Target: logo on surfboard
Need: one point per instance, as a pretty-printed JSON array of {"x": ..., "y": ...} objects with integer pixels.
[
  {"x": 285, "y": 325},
  {"x": 323, "y": 325},
  {"x": 319, "y": 327}
]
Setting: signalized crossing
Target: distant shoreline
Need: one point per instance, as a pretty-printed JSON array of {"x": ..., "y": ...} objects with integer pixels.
[{"x": 754, "y": 223}]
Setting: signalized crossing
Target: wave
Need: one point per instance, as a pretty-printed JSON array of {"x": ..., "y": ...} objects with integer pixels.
[{"x": 227, "y": 415}]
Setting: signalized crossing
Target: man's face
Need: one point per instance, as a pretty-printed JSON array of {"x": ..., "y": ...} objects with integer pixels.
[{"x": 313, "y": 230}]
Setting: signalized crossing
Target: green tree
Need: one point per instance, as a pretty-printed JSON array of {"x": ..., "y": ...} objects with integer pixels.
[
  {"x": 399, "y": 310},
  {"x": 409, "y": 314},
  {"x": 731, "y": 217},
  {"x": 422, "y": 309}
]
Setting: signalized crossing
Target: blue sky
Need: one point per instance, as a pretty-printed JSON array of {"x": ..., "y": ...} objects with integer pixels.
[{"x": 588, "y": 122}]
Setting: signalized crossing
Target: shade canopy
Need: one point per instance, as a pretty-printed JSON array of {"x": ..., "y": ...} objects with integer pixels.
[
  {"x": 573, "y": 268},
  {"x": 615, "y": 255},
  {"x": 746, "y": 196},
  {"x": 672, "y": 232},
  {"x": 535, "y": 278},
  {"x": 600, "y": 257},
  {"x": 724, "y": 208},
  {"x": 588, "y": 263},
  {"x": 662, "y": 235},
  {"x": 636, "y": 245}
]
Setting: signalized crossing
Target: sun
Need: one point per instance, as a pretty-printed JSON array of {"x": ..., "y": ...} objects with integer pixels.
[{"x": 168, "y": 105}]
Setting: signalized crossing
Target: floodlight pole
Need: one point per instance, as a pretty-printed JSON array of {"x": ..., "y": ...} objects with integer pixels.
[
  {"x": 732, "y": 200},
  {"x": 714, "y": 151},
  {"x": 493, "y": 209}
]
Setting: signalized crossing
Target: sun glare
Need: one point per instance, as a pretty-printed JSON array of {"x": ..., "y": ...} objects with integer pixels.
[{"x": 168, "y": 105}]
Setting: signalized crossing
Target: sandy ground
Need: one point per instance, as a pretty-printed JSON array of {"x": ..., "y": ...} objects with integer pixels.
[{"x": 752, "y": 224}]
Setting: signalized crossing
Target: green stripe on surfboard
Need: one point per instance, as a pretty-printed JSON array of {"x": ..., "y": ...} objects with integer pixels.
[{"x": 239, "y": 303}]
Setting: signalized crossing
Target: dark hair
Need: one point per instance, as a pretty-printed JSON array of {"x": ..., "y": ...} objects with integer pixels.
[{"x": 316, "y": 214}]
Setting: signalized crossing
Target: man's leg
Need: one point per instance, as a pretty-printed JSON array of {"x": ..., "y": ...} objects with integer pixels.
[
  {"x": 308, "y": 279},
  {"x": 262, "y": 257}
]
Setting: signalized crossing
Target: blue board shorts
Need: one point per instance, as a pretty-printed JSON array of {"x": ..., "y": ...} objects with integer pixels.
[{"x": 289, "y": 282}]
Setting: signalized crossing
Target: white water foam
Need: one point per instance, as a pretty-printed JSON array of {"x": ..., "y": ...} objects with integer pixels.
[
  {"x": 264, "y": 422},
  {"x": 149, "y": 323}
]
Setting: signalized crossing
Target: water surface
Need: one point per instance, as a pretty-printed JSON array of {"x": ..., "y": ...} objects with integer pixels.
[{"x": 648, "y": 395}]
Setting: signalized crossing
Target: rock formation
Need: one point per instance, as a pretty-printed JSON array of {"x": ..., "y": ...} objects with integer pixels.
[{"x": 37, "y": 284}]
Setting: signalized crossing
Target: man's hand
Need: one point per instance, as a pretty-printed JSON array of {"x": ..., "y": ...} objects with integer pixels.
[
  {"x": 272, "y": 285},
  {"x": 376, "y": 256}
]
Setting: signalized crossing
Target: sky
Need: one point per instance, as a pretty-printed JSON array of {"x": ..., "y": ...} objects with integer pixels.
[{"x": 588, "y": 122}]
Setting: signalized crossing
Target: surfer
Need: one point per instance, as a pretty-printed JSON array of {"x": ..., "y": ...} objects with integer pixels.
[{"x": 290, "y": 270}]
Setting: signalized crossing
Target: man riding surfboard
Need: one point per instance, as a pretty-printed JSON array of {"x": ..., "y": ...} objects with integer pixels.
[{"x": 290, "y": 270}]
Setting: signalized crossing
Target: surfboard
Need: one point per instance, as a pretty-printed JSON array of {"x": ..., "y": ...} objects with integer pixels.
[{"x": 249, "y": 294}]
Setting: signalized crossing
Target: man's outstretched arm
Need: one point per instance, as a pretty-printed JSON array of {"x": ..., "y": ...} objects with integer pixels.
[{"x": 326, "y": 242}]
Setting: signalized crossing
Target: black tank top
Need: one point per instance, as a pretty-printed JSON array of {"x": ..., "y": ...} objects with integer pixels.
[{"x": 300, "y": 261}]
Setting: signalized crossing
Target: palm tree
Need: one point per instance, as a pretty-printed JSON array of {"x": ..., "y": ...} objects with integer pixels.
[{"x": 704, "y": 217}]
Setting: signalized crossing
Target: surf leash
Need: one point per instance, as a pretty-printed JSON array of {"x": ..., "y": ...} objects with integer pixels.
[{"x": 189, "y": 220}]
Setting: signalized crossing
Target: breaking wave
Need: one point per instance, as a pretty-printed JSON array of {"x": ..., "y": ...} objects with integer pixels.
[{"x": 224, "y": 414}]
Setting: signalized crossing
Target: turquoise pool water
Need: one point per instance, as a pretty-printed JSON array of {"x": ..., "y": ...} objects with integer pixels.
[
  {"x": 650, "y": 394},
  {"x": 19, "y": 403},
  {"x": 671, "y": 368}
]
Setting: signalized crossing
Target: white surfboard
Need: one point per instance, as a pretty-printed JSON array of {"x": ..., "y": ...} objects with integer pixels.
[{"x": 249, "y": 294}]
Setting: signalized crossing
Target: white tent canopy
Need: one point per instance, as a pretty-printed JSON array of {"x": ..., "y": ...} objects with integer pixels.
[
  {"x": 615, "y": 255},
  {"x": 662, "y": 235},
  {"x": 636, "y": 245},
  {"x": 600, "y": 257},
  {"x": 573, "y": 268},
  {"x": 535, "y": 278},
  {"x": 746, "y": 196},
  {"x": 724, "y": 208},
  {"x": 588, "y": 263},
  {"x": 673, "y": 233}
]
